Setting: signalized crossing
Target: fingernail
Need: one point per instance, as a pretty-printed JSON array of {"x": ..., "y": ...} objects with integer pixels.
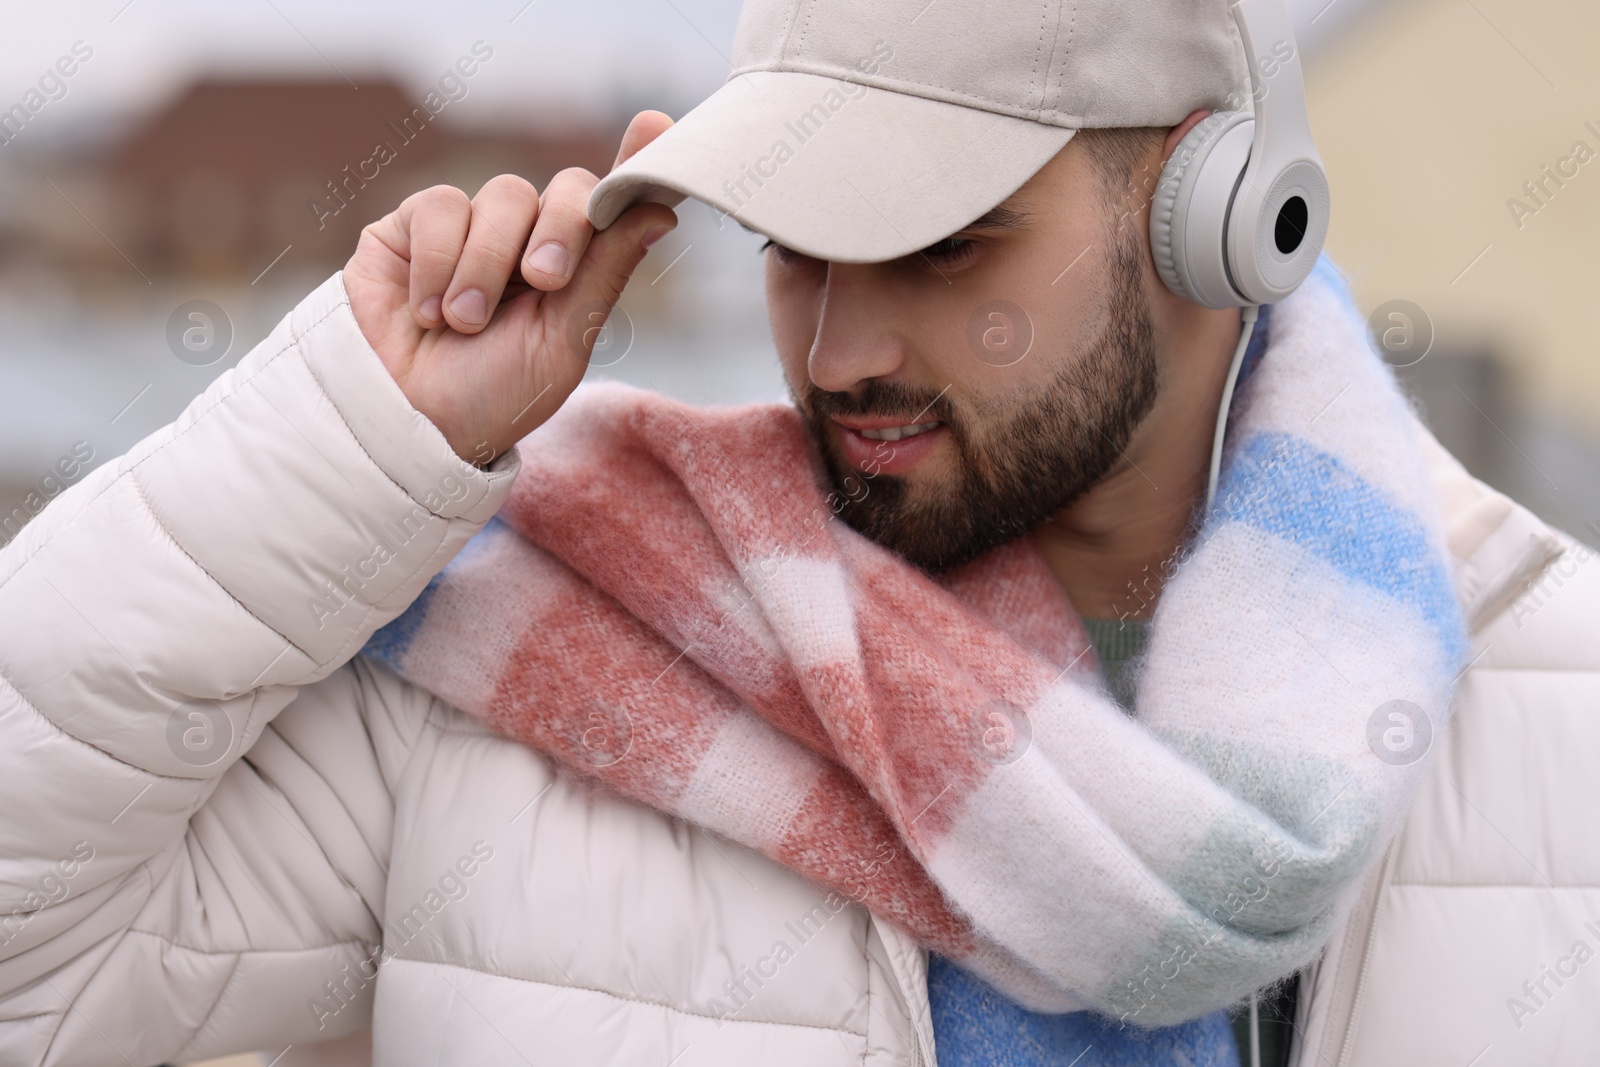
[
  {"x": 429, "y": 308},
  {"x": 654, "y": 234},
  {"x": 549, "y": 258},
  {"x": 470, "y": 307}
]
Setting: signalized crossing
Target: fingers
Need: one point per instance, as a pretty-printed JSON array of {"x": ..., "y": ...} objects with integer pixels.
[
  {"x": 432, "y": 232},
  {"x": 562, "y": 232},
  {"x": 500, "y": 220},
  {"x": 645, "y": 127},
  {"x": 461, "y": 254}
]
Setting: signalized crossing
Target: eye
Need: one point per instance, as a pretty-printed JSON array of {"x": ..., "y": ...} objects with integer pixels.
[
  {"x": 785, "y": 255},
  {"x": 948, "y": 252}
]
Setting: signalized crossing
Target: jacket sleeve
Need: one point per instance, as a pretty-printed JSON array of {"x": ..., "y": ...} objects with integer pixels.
[{"x": 180, "y": 874}]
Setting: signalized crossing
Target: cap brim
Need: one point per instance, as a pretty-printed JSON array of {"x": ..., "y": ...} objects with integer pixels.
[{"x": 833, "y": 169}]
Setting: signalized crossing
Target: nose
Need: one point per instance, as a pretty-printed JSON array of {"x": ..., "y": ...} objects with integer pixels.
[{"x": 856, "y": 337}]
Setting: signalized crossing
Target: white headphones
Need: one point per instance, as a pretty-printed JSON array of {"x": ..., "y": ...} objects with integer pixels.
[{"x": 1241, "y": 210}]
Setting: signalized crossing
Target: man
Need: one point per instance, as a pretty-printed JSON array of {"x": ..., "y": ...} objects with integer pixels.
[{"x": 241, "y": 837}]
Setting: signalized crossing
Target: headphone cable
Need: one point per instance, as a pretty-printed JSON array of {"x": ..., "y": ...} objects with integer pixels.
[{"x": 1246, "y": 328}]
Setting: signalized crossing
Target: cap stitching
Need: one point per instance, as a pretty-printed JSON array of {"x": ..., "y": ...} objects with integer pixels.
[
  {"x": 810, "y": 10},
  {"x": 1072, "y": 30},
  {"x": 785, "y": 49},
  {"x": 1044, "y": 20}
]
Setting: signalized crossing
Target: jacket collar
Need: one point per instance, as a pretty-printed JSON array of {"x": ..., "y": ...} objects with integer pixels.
[{"x": 1497, "y": 546}]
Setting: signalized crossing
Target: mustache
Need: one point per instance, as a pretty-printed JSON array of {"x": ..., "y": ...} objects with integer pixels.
[{"x": 880, "y": 399}]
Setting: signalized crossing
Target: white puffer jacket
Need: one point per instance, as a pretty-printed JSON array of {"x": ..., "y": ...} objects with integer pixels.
[{"x": 223, "y": 833}]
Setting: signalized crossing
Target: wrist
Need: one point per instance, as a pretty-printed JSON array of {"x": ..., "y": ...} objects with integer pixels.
[{"x": 473, "y": 449}]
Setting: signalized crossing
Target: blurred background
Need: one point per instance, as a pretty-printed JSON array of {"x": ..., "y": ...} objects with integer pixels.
[{"x": 175, "y": 175}]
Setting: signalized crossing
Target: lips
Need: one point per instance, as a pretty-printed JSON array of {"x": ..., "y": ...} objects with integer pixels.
[
  {"x": 887, "y": 446},
  {"x": 895, "y": 433}
]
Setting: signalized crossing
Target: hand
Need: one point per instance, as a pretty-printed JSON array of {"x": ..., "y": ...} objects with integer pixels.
[{"x": 485, "y": 310}]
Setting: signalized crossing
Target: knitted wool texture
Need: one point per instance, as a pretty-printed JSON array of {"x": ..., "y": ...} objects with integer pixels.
[{"x": 669, "y": 604}]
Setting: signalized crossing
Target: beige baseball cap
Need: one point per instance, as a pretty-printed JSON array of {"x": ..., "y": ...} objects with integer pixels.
[{"x": 862, "y": 130}]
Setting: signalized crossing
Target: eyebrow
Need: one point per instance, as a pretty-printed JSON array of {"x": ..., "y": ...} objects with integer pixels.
[{"x": 999, "y": 217}]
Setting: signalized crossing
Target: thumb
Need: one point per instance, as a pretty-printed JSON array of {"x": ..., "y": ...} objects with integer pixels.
[{"x": 609, "y": 261}]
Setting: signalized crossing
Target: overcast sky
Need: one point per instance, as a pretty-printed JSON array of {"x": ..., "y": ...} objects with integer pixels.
[
  {"x": 549, "y": 56},
  {"x": 552, "y": 58}
]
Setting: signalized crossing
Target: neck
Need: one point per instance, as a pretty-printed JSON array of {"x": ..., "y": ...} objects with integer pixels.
[{"x": 1112, "y": 548}]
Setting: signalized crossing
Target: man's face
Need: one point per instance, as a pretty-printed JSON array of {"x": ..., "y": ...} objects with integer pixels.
[{"x": 928, "y": 346}]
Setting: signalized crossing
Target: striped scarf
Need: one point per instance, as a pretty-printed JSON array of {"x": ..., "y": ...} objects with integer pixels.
[{"x": 669, "y": 604}]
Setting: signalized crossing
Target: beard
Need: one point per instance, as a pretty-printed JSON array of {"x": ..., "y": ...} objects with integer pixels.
[{"x": 1017, "y": 461}]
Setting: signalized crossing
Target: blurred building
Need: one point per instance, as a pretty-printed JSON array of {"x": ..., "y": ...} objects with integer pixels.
[
  {"x": 1462, "y": 142},
  {"x": 247, "y": 194},
  {"x": 233, "y": 174}
]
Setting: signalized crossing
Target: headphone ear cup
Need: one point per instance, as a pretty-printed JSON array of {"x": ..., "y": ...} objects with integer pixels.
[
  {"x": 1271, "y": 254},
  {"x": 1189, "y": 214}
]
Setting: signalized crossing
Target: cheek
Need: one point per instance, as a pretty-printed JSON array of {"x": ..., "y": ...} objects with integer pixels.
[
  {"x": 994, "y": 389},
  {"x": 1054, "y": 320},
  {"x": 792, "y": 311},
  {"x": 994, "y": 341}
]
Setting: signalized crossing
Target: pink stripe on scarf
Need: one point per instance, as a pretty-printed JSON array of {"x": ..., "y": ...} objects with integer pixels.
[{"x": 633, "y": 669}]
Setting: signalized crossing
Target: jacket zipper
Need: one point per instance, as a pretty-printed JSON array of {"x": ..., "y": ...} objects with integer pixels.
[
  {"x": 894, "y": 943},
  {"x": 1346, "y": 1043}
]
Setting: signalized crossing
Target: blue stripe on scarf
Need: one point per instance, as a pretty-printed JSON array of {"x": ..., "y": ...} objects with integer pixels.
[
  {"x": 974, "y": 1025},
  {"x": 390, "y": 643},
  {"x": 1286, "y": 487},
  {"x": 1325, "y": 273}
]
